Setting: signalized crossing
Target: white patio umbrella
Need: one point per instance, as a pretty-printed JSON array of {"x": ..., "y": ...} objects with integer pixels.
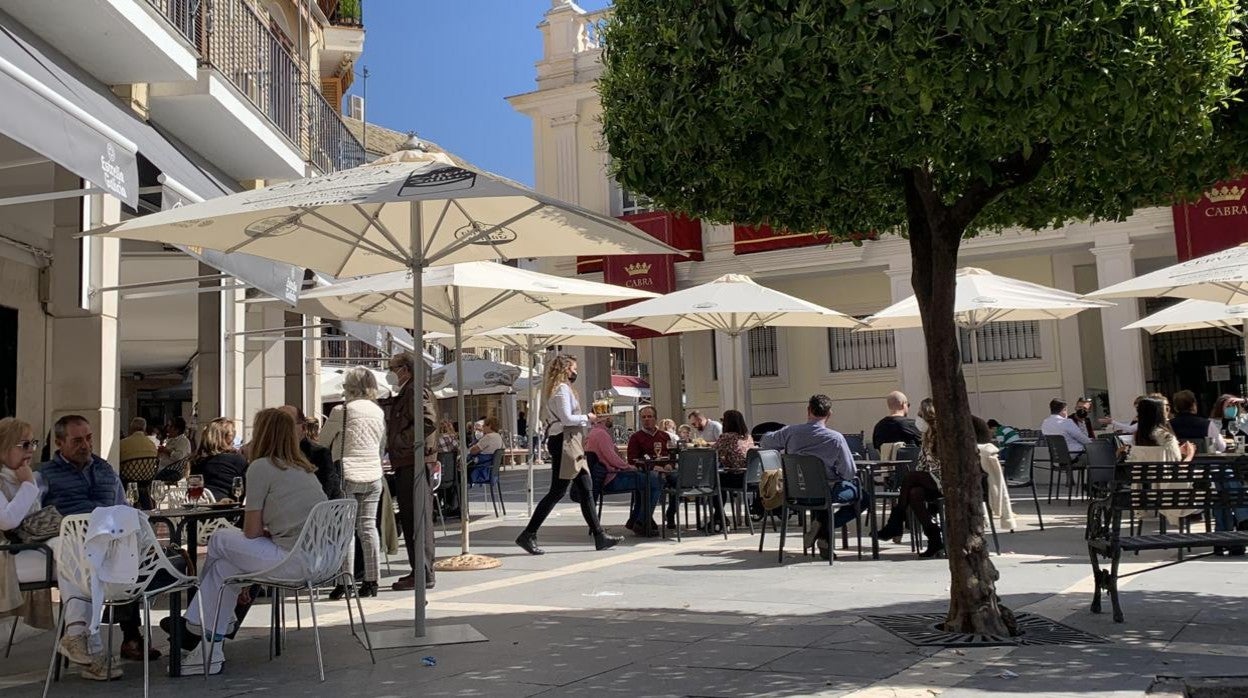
[
  {"x": 481, "y": 376},
  {"x": 406, "y": 211},
  {"x": 536, "y": 335},
  {"x": 1220, "y": 277},
  {"x": 1194, "y": 315},
  {"x": 982, "y": 298},
  {"x": 732, "y": 304},
  {"x": 332, "y": 379},
  {"x": 468, "y": 297}
]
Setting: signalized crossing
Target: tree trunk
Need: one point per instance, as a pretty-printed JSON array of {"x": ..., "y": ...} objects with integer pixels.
[{"x": 935, "y": 236}]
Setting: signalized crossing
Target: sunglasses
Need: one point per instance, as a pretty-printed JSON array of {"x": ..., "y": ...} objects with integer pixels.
[{"x": 28, "y": 445}]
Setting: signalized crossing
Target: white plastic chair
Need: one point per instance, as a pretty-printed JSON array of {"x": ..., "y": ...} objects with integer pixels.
[
  {"x": 314, "y": 561},
  {"x": 72, "y": 564}
]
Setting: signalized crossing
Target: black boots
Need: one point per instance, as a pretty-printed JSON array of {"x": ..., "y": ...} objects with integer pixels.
[
  {"x": 602, "y": 541},
  {"x": 528, "y": 541},
  {"x": 935, "y": 546}
]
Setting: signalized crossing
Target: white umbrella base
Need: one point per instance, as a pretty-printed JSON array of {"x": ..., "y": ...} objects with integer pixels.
[{"x": 434, "y": 635}]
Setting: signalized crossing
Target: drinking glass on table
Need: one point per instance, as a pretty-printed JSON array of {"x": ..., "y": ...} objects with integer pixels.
[
  {"x": 236, "y": 489},
  {"x": 132, "y": 494},
  {"x": 658, "y": 449},
  {"x": 158, "y": 490},
  {"x": 194, "y": 488}
]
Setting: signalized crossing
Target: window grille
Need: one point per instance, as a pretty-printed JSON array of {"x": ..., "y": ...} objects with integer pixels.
[
  {"x": 764, "y": 354},
  {"x": 860, "y": 351},
  {"x": 1004, "y": 341}
]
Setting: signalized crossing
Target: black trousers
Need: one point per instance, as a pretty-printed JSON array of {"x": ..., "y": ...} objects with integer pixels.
[
  {"x": 407, "y": 477},
  {"x": 917, "y": 489},
  {"x": 559, "y": 487}
]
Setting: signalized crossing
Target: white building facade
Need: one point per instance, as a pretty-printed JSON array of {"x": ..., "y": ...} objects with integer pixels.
[{"x": 1023, "y": 366}]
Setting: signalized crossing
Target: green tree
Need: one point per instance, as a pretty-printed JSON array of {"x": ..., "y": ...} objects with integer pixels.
[{"x": 938, "y": 120}]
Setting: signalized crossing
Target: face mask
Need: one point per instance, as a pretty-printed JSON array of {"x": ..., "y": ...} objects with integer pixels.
[
  {"x": 572, "y": 377},
  {"x": 392, "y": 378},
  {"x": 1230, "y": 412},
  {"x": 1081, "y": 413}
]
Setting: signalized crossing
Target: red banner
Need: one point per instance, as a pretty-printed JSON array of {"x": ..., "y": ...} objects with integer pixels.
[
  {"x": 648, "y": 272},
  {"x": 684, "y": 234},
  {"x": 747, "y": 239},
  {"x": 1218, "y": 221}
]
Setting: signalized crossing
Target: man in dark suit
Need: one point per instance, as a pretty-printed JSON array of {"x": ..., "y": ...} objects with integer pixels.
[
  {"x": 328, "y": 472},
  {"x": 411, "y": 471}
]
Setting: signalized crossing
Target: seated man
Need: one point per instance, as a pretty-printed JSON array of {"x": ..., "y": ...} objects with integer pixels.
[
  {"x": 897, "y": 427},
  {"x": 177, "y": 448},
  {"x": 651, "y": 442},
  {"x": 481, "y": 454},
  {"x": 622, "y": 477},
  {"x": 814, "y": 438},
  {"x": 77, "y": 482},
  {"x": 1058, "y": 423},
  {"x": 137, "y": 444}
]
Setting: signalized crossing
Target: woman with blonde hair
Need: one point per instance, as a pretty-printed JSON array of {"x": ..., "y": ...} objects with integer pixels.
[
  {"x": 565, "y": 440},
  {"x": 919, "y": 488},
  {"x": 354, "y": 432},
  {"x": 281, "y": 492},
  {"x": 217, "y": 459},
  {"x": 19, "y": 498}
]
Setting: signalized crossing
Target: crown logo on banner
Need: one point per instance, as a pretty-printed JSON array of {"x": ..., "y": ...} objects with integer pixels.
[
  {"x": 637, "y": 268},
  {"x": 1228, "y": 193}
]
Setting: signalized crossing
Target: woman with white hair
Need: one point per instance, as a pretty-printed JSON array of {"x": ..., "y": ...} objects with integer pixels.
[{"x": 355, "y": 432}]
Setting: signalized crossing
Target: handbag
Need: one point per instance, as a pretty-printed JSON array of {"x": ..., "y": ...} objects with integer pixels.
[{"x": 38, "y": 526}]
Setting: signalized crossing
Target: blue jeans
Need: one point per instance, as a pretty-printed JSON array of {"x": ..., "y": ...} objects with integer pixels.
[
  {"x": 633, "y": 481},
  {"x": 845, "y": 494},
  {"x": 1225, "y": 519}
]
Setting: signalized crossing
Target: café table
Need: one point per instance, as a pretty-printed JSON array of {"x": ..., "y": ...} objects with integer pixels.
[
  {"x": 872, "y": 473},
  {"x": 180, "y": 521},
  {"x": 649, "y": 465}
]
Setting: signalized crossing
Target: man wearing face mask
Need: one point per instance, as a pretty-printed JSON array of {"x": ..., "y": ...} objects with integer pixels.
[
  {"x": 1083, "y": 416},
  {"x": 411, "y": 469}
]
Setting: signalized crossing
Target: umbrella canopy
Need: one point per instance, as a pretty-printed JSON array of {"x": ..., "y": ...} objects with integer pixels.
[
  {"x": 489, "y": 295},
  {"x": 547, "y": 330},
  {"x": 1194, "y": 315},
  {"x": 362, "y": 220},
  {"x": 732, "y": 304},
  {"x": 481, "y": 376},
  {"x": 1221, "y": 277},
  {"x": 983, "y": 297}
]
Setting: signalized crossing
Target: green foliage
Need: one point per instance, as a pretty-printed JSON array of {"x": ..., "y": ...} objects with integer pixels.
[{"x": 802, "y": 113}]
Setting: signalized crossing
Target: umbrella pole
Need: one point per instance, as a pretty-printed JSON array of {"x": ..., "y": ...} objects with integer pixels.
[
  {"x": 979, "y": 396},
  {"x": 463, "y": 425},
  {"x": 441, "y": 634},
  {"x": 530, "y": 422},
  {"x": 1244, "y": 334}
]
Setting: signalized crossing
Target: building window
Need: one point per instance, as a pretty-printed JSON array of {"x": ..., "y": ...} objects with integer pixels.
[
  {"x": 626, "y": 202},
  {"x": 860, "y": 351},
  {"x": 1004, "y": 341},
  {"x": 764, "y": 354}
]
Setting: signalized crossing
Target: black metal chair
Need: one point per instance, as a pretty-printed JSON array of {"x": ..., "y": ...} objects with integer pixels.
[
  {"x": 857, "y": 444},
  {"x": 29, "y": 580},
  {"x": 444, "y": 481},
  {"x": 1062, "y": 462},
  {"x": 770, "y": 460},
  {"x": 697, "y": 480},
  {"x": 749, "y": 483},
  {"x": 763, "y": 429},
  {"x": 806, "y": 491},
  {"x": 1019, "y": 471}
]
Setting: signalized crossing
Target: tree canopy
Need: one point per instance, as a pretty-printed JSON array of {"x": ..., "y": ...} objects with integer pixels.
[{"x": 803, "y": 113}]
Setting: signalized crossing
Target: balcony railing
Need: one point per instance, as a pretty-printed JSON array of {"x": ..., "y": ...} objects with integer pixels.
[
  {"x": 637, "y": 369},
  {"x": 238, "y": 42}
]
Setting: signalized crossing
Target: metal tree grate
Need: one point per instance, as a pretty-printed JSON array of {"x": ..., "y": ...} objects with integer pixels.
[{"x": 922, "y": 629}]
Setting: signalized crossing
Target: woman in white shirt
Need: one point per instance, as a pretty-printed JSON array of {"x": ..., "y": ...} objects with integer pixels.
[
  {"x": 565, "y": 424},
  {"x": 19, "y": 498},
  {"x": 355, "y": 432}
]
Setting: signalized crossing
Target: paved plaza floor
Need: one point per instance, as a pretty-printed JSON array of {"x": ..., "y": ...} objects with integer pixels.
[{"x": 709, "y": 617}]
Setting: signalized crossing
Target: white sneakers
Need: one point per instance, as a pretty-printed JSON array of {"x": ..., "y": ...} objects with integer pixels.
[
  {"x": 97, "y": 670},
  {"x": 75, "y": 649},
  {"x": 193, "y": 663}
]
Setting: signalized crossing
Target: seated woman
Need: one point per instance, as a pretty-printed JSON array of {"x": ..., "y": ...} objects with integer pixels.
[
  {"x": 998, "y": 494},
  {"x": 919, "y": 488},
  {"x": 731, "y": 447},
  {"x": 19, "y": 498},
  {"x": 217, "y": 460},
  {"x": 281, "y": 492},
  {"x": 481, "y": 454}
]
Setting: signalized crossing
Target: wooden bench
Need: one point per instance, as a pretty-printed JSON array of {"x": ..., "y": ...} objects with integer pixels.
[{"x": 1147, "y": 489}]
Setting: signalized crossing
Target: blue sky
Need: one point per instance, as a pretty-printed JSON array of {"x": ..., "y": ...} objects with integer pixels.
[{"x": 443, "y": 68}]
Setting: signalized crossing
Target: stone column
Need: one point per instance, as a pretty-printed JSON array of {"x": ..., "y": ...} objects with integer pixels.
[
  {"x": 83, "y": 367},
  {"x": 909, "y": 345},
  {"x": 1124, "y": 352},
  {"x": 734, "y": 380},
  {"x": 220, "y": 362},
  {"x": 665, "y": 377},
  {"x": 1068, "y": 340},
  {"x": 266, "y": 363}
]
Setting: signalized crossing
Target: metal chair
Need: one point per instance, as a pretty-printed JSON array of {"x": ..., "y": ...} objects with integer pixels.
[
  {"x": 697, "y": 479},
  {"x": 857, "y": 444},
  {"x": 315, "y": 561},
  {"x": 1061, "y": 461},
  {"x": 440, "y": 483},
  {"x": 36, "y": 570},
  {"x": 805, "y": 490},
  {"x": 749, "y": 483},
  {"x": 1019, "y": 471},
  {"x": 157, "y": 575}
]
